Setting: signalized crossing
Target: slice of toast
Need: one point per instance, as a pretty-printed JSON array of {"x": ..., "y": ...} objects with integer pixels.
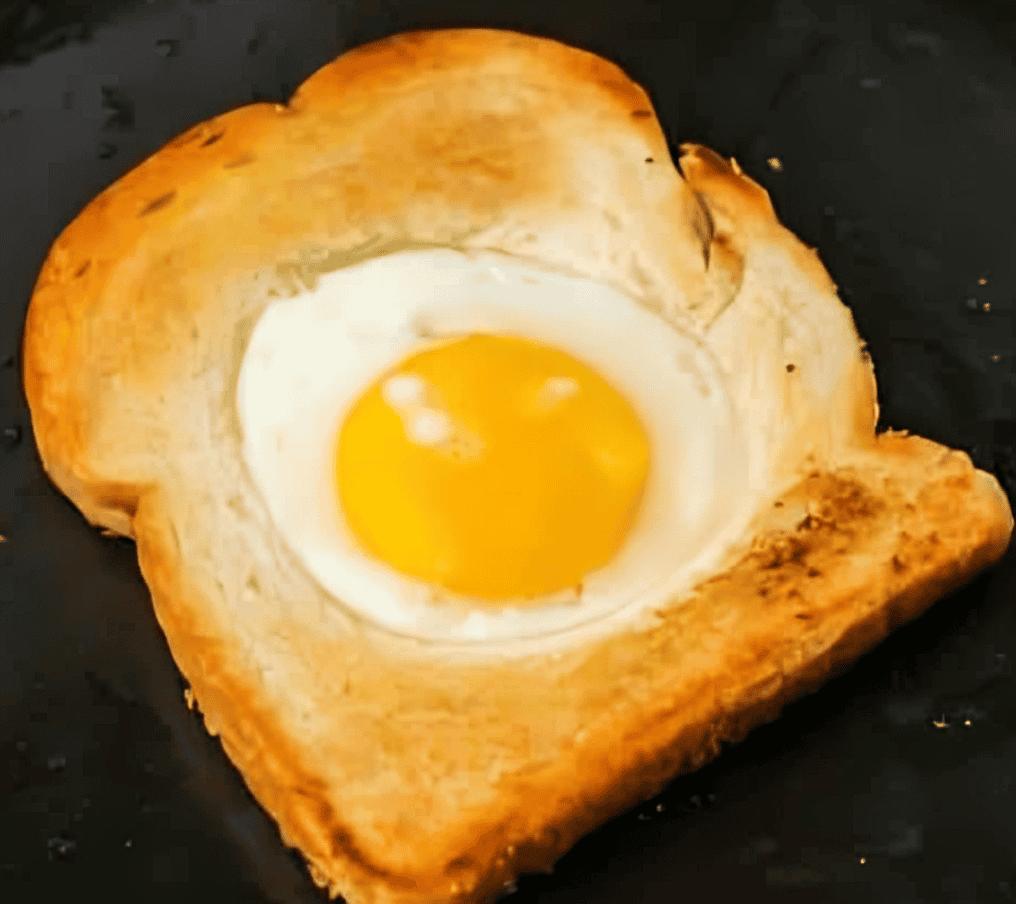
[{"x": 407, "y": 772}]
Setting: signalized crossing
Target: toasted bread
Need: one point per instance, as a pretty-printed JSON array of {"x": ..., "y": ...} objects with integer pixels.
[{"x": 406, "y": 772}]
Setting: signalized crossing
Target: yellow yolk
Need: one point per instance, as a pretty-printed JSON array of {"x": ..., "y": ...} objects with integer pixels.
[{"x": 492, "y": 466}]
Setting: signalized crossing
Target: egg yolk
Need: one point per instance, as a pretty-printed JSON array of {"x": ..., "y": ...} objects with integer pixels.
[{"x": 492, "y": 466}]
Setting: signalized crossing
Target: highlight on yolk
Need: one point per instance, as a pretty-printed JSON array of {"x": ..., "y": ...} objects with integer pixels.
[{"x": 493, "y": 466}]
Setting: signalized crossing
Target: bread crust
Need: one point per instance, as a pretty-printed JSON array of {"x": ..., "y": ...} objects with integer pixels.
[
  {"x": 404, "y": 775},
  {"x": 835, "y": 565}
]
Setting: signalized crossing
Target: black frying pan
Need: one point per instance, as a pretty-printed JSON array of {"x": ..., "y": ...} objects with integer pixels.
[{"x": 885, "y": 134}]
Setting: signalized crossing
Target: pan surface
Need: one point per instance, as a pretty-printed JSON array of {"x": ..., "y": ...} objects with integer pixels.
[{"x": 885, "y": 134}]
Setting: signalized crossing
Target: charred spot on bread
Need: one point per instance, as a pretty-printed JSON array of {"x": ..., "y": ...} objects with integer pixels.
[
  {"x": 197, "y": 133},
  {"x": 807, "y": 522},
  {"x": 839, "y": 508},
  {"x": 157, "y": 203},
  {"x": 341, "y": 843},
  {"x": 239, "y": 161},
  {"x": 705, "y": 228},
  {"x": 784, "y": 550}
]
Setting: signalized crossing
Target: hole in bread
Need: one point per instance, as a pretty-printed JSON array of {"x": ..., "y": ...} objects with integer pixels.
[
  {"x": 791, "y": 368},
  {"x": 641, "y": 114},
  {"x": 804, "y": 616},
  {"x": 649, "y": 160},
  {"x": 83, "y": 269},
  {"x": 211, "y": 139},
  {"x": 158, "y": 203}
]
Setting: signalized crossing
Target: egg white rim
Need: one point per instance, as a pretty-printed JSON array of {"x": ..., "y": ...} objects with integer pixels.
[{"x": 456, "y": 293}]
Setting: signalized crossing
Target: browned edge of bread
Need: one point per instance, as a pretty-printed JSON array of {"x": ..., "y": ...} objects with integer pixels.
[{"x": 839, "y": 562}]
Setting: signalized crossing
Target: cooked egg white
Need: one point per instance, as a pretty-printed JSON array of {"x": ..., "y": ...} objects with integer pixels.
[{"x": 350, "y": 392}]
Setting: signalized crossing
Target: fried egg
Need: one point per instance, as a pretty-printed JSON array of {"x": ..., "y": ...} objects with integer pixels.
[{"x": 468, "y": 447}]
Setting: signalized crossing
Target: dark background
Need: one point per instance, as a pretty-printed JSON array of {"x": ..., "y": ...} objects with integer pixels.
[{"x": 895, "y": 124}]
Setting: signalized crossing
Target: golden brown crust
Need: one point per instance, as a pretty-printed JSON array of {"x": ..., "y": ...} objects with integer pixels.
[
  {"x": 493, "y": 168},
  {"x": 402, "y": 776},
  {"x": 829, "y": 574}
]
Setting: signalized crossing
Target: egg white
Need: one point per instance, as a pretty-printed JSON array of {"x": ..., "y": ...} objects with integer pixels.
[{"x": 311, "y": 357}]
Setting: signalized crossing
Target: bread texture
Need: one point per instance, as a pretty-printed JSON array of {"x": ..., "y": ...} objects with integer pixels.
[{"x": 403, "y": 772}]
